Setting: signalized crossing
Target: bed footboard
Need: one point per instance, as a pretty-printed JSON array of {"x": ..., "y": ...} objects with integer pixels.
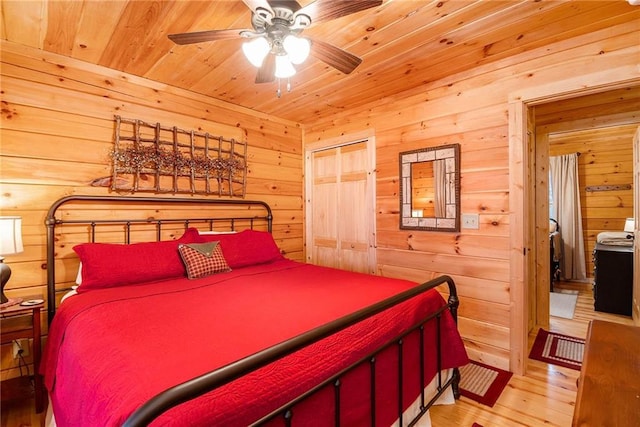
[{"x": 210, "y": 381}]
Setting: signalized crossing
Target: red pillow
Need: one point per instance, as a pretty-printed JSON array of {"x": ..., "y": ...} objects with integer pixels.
[
  {"x": 249, "y": 247},
  {"x": 106, "y": 265}
]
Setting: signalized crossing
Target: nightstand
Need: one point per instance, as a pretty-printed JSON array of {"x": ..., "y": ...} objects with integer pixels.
[
  {"x": 613, "y": 279},
  {"x": 12, "y": 325}
]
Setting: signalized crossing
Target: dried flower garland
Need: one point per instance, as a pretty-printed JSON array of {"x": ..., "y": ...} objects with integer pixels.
[
  {"x": 135, "y": 159},
  {"x": 165, "y": 159}
]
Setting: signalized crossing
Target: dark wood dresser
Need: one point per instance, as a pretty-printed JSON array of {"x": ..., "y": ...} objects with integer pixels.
[
  {"x": 608, "y": 387},
  {"x": 613, "y": 278}
]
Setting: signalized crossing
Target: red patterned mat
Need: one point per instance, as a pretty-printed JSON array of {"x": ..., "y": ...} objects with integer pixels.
[
  {"x": 558, "y": 349},
  {"x": 483, "y": 383}
]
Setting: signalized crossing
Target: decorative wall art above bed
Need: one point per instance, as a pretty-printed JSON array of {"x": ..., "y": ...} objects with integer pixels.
[
  {"x": 430, "y": 188},
  {"x": 154, "y": 158}
]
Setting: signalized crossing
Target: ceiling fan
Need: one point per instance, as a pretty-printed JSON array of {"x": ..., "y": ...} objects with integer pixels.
[{"x": 275, "y": 45}]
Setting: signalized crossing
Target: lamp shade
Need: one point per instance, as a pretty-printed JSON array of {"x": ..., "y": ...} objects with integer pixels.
[
  {"x": 284, "y": 68},
  {"x": 10, "y": 235},
  {"x": 297, "y": 48},
  {"x": 256, "y": 50},
  {"x": 629, "y": 225}
]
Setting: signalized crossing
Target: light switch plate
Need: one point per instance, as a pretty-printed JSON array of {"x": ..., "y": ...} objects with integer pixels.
[{"x": 471, "y": 221}]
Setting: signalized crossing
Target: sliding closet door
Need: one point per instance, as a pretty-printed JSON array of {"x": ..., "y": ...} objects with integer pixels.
[
  {"x": 353, "y": 215},
  {"x": 324, "y": 208},
  {"x": 341, "y": 225}
]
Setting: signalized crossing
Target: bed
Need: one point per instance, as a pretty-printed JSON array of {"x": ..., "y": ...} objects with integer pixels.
[{"x": 221, "y": 329}]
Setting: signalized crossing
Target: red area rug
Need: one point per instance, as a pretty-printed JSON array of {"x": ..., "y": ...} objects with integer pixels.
[
  {"x": 483, "y": 383},
  {"x": 558, "y": 349}
]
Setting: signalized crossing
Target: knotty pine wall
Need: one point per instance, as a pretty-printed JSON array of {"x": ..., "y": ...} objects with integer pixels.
[
  {"x": 470, "y": 108},
  {"x": 606, "y": 158},
  {"x": 57, "y": 132},
  {"x": 53, "y": 107}
]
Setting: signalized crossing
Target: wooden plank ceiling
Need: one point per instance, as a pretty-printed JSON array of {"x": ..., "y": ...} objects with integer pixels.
[{"x": 403, "y": 44}]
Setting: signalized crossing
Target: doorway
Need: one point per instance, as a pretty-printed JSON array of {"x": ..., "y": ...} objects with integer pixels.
[
  {"x": 602, "y": 151},
  {"x": 525, "y": 262}
]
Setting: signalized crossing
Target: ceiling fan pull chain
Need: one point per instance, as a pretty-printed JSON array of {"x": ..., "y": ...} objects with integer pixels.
[
  {"x": 288, "y": 84},
  {"x": 279, "y": 92}
]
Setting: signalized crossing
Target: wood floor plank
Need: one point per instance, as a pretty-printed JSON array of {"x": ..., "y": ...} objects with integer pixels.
[{"x": 546, "y": 395}]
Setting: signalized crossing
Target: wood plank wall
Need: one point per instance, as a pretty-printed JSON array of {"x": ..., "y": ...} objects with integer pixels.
[
  {"x": 57, "y": 132},
  {"x": 606, "y": 158},
  {"x": 53, "y": 105},
  {"x": 470, "y": 108}
]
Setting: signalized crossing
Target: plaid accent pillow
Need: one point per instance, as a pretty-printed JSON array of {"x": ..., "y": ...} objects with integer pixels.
[{"x": 203, "y": 259}]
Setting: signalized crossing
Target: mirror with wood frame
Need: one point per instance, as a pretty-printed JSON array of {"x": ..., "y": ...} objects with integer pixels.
[{"x": 430, "y": 189}]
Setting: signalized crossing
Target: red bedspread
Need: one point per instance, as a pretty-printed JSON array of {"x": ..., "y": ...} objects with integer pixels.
[{"x": 111, "y": 350}]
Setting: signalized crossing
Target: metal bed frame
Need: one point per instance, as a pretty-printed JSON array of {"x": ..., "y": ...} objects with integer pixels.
[
  {"x": 52, "y": 222},
  {"x": 200, "y": 385}
]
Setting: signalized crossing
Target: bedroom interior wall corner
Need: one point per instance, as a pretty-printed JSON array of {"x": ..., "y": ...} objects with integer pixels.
[
  {"x": 56, "y": 109},
  {"x": 472, "y": 107}
]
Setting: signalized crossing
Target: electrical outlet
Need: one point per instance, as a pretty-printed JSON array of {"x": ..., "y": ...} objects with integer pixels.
[
  {"x": 471, "y": 221},
  {"x": 19, "y": 345}
]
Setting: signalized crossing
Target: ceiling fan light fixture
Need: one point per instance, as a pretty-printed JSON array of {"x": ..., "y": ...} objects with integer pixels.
[
  {"x": 284, "y": 67},
  {"x": 297, "y": 48},
  {"x": 274, "y": 44},
  {"x": 256, "y": 50}
]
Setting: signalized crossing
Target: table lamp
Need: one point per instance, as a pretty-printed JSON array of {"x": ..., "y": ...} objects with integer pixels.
[
  {"x": 629, "y": 225},
  {"x": 10, "y": 243}
]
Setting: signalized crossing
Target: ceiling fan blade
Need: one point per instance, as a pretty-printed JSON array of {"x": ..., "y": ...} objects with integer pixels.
[
  {"x": 338, "y": 58},
  {"x": 267, "y": 72},
  {"x": 255, "y": 4},
  {"x": 205, "y": 36},
  {"x": 324, "y": 10}
]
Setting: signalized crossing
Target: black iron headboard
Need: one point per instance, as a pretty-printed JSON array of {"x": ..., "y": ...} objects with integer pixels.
[{"x": 203, "y": 212}]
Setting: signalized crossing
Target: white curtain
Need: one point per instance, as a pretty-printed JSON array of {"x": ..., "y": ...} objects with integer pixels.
[{"x": 566, "y": 210}]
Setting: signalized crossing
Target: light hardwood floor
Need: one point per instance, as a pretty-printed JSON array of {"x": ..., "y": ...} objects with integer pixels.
[{"x": 545, "y": 396}]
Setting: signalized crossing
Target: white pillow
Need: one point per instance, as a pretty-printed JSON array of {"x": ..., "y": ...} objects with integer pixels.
[
  {"x": 209, "y": 233},
  {"x": 69, "y": 294},
  {"x": 79, "y": 275},
  {"x": 74, "y": 289}
]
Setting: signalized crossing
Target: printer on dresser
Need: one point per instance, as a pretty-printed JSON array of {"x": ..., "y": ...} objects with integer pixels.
[{"x": 613, "y": 273}]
